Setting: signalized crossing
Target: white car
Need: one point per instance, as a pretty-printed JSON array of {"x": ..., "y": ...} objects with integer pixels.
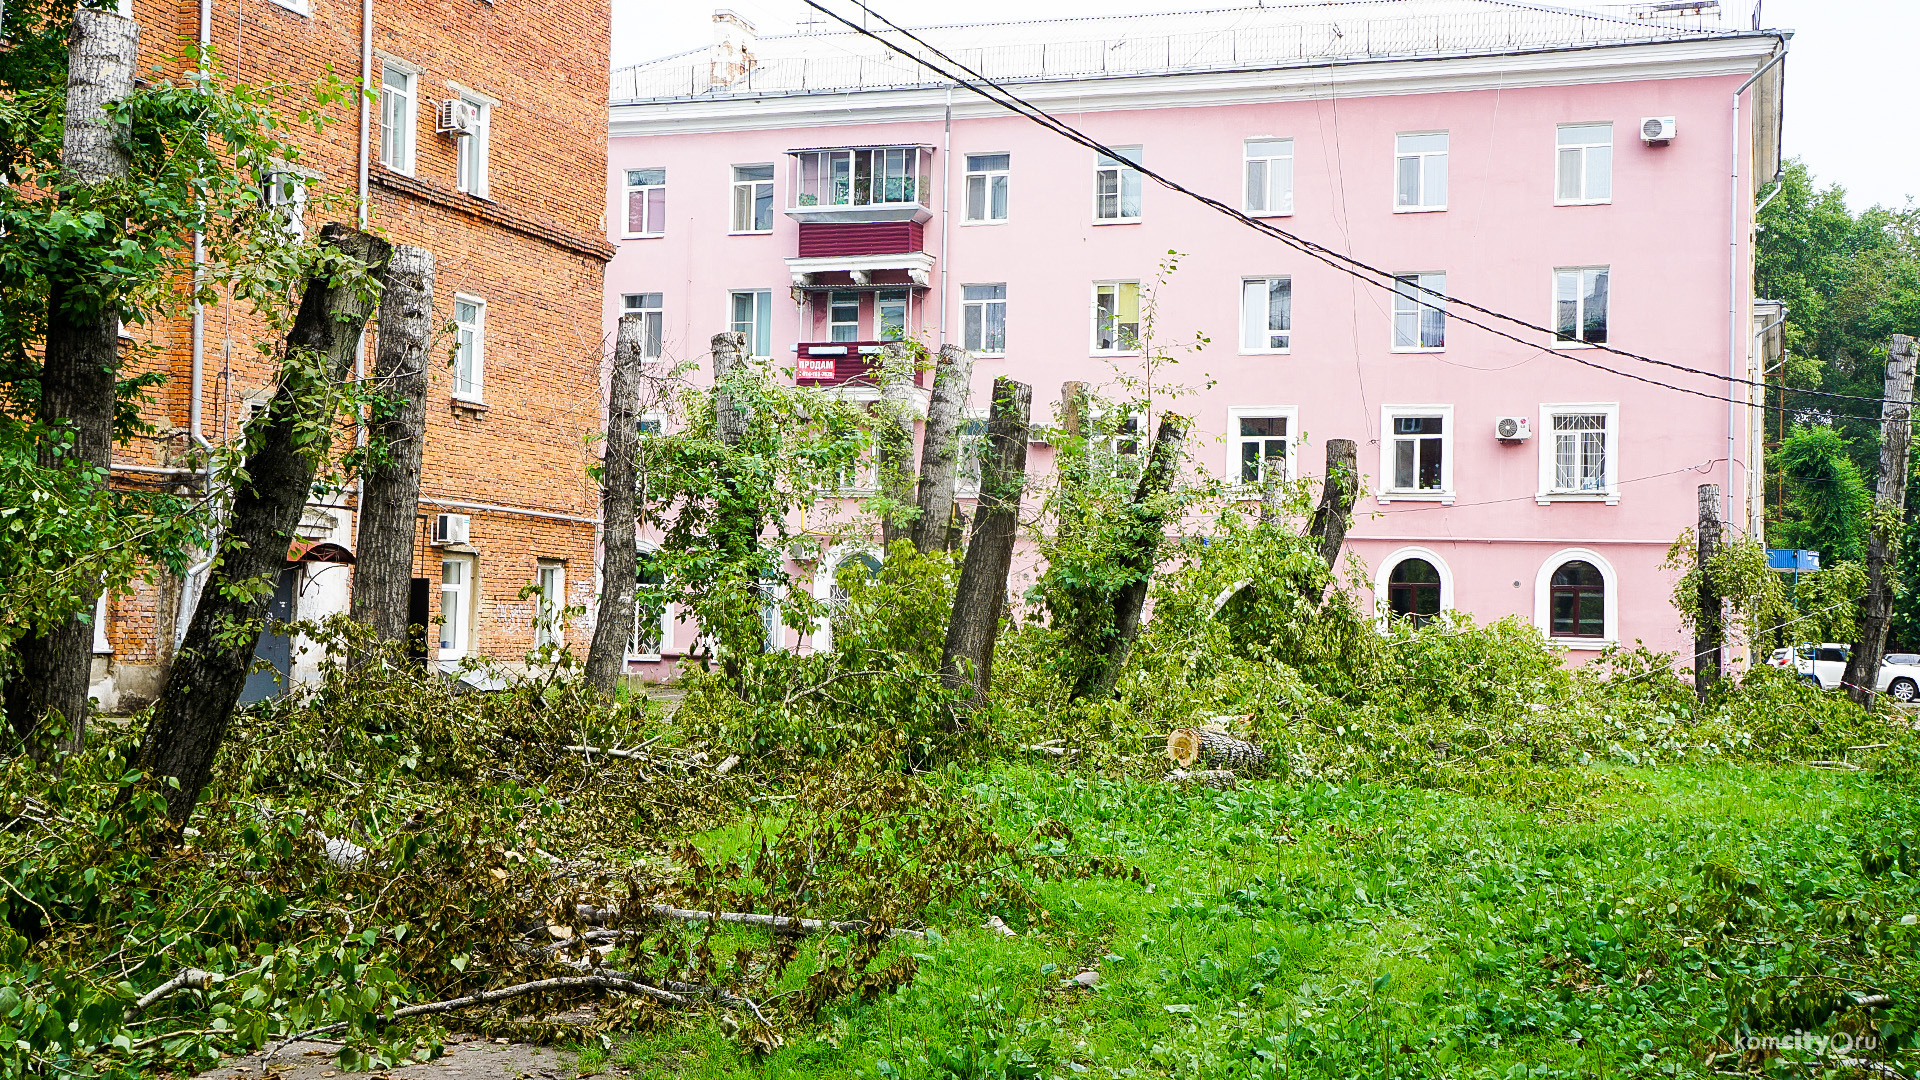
[{"x": 1826, "y": 664}]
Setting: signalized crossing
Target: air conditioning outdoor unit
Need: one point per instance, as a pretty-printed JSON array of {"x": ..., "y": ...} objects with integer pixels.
[
  {"x": 1512, "y": 428},
  {"x": 1658, "y": 129},
  {"x": 457, "y": 117},
  {"x": 450, "y": 528}
]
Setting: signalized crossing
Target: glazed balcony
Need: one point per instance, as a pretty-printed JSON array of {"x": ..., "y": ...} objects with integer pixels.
[{"x": 860, "y": 184}]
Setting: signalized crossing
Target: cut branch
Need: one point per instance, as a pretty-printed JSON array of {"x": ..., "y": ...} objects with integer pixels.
[{"x": 187, "y": 979}]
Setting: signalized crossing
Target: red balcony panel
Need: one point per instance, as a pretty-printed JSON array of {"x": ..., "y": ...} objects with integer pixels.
[
  {"x": 827, "y": 239},
  {"x": 830, "y": 363}
]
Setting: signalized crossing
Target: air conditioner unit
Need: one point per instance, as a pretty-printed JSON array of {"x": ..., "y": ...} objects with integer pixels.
[
  {"x": 450, "y": 528},
  {"x": 1658, "y": 129},
  {"x": 457, "y": 117},
  {"x": 1512, "y": 428}
]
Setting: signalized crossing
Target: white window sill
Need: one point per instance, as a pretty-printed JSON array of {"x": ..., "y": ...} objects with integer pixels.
[
  {"x": 1113, "y": 352},
  {"x": 643, "y": 236},
  {"x": 1268, "y": 213},
  {"x": 1445, "y": 497},
  {"x": 1117, "y": 221},
  {"x": 1583, "y": 202},
  {"x": 1267, "y": 352},
  {"x": 468, "y": 401},
  {"x": 1419, "y": 209},
  {"x": 730, "y": 232},
  {"x": 1418, "y": 348},
  {"x": 987, "y": 355},
  {"x": 985, "y": 221},
  {"x": 1611, "y": 498},
  {"x": 1583, "y": 644},
  {"x": 1562, "y": 343},
  {"x": 651, "y": 658}
]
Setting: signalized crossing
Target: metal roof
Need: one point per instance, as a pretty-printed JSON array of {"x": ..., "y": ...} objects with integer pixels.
[{"x": 1174, "y": 42}]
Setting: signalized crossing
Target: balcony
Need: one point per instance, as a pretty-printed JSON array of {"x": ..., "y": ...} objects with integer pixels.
[
  {"x": 860, "y": 184},
  {"x": 836, "y": 363}
]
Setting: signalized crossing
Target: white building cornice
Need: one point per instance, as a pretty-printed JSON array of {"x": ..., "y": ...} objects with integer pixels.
[{"x": 1712, "y": 57}]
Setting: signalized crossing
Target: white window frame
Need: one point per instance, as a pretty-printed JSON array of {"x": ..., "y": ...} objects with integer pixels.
[
  {"x": 1387, "y": 492},
  {"x": 1123, "y": 168},
  {"x": 627, "y": 191},
  {"x": 1140, "y": 295},
  {"x": 859, "y": 310},
  {"x": 969, "y": 437},
  {"x": 762, "y": 316},
  {"x": 984, "y": 305},
  {"x": 409, "y": 120},
  {"x": 1580, "y": 307},
  {"x": 1420, "y": 302},
  {"x": 666, "y": 610},
  {"x": 1384, "y": 572},
  {"x": 1584, "y": 151},
  {"x": 653, "y": 322},
  {"x": 1247, "y": 349},
  {"x": 470, "y": 169},
  {"x": 298, "y": 7},
  {"x": 885, "y": 298},
  {"x": 1237, "y": 413},
  {"x": 823, "y": 582},
  {"x": 550, "y": 609},
  {"x": 477, "y": 384},
  {"x": 752, "y": 188},
  {"x": 456, "y": 635},
  {"x": 1399, "y": 155},
  {"x": 284, "y": 192},
  {"x": 1609, "y": 492},
  {"x": 1610, "y": 603},
  {"x": 986, "y": 177},
  {"x": 1271, "y": 168}
]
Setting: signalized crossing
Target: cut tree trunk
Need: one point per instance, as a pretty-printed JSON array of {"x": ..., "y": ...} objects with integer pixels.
[
  {"x": 191, "y": 716},
  {"x": 1708, "y": 619},
  {"x": 78, "y": 371},
  {"x": 966, "y": 658},
  {"x": 619, "y": 552},
  {"x": 1337, "y": 493},
  {"x": 940, "y": 448},
  {"x": 397, "y": 433},
  {"x": 729, "y": 352},
  {"x": 893, "y": 449},
  {"x": 1883, "y": 535},
  {"x": 1145, "y": 528},
  {"x": 1190, "y": 746}
]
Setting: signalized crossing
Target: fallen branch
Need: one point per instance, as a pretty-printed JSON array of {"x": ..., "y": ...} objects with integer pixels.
[{"x": 187, "y": 979}]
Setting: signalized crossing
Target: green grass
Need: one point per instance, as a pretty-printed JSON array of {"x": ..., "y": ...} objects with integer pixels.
[{"x": 1382, "y": 931}]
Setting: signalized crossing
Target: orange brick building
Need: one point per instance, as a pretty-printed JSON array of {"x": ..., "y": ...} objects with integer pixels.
[{"x": 485, "y": 142}]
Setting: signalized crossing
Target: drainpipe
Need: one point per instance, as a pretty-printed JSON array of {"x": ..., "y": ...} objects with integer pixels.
[
  {"x": 946, "y": 200},
  {"x": 1734, "y": 337},
  {"x": 366, "y": 88}
]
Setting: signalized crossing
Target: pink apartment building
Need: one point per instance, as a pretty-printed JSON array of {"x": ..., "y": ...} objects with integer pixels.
[{"x": 1592, "y": 173}]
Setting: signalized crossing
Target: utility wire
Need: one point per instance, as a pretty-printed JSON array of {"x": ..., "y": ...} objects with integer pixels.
[{"x": 1338, "y": 260}]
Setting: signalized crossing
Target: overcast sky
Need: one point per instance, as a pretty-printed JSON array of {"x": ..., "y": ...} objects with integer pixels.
[{"x": 1846, "y": 79}]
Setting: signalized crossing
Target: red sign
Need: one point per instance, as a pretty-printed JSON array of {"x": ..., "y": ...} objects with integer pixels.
[{"x": 815, "y": 367}]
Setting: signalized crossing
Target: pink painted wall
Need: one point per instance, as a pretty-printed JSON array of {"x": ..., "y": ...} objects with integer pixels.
[{"x": 1664, "y": 236}]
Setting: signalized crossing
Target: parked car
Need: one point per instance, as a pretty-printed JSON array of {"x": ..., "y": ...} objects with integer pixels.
[{"x": 1826, "y": 664}]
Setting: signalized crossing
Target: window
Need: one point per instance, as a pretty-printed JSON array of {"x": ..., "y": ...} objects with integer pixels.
[
  {"x": 868, "y": 176},
  {"x": 1580, "y": 305},
  {"x": 752, "y": 198},
  {"x": 1269, "y": 177},
  {"x": 1116, "y": 317},
  {"x": 843, "y": 316},
  {"x": 652, "y": 632},
  {"x": 832, "y": 585},
  {"x": 752, "y": 314},
  {"x": 987, "y": 179},
  {"x": 1116, "y": 186},
  {"x": 890, "y": 311},
  {"x": 646, "y": 202},
  {"x": 456, "y": 605},
  {"x": 652, "y": 311},
  {"x": 1126, "y": 436},
  {"x": 1577, "y": 456},
  {"x": 1577, "y": 601},
  {"x": 1416, "y": 451},
  {"x": 469, "y": 346},
  {"x": 397, "y": 118},
  {"x": 470, "y": 167},
  {"x": 1420, "y": 171},
  {"x": 1266, "y": 314},
  {"x": 285, "y": 196},
  {"x": 1413, "y": 591},
  {"x": 550, "y": 604},
  {"x": 972, "y": 442},
  {"x": 983, "y": 311},
  {"x": 1260, "y": 446},
  {"x": 652, "y": 423},
  {"x": 1584, "y": 164},
  {"x": 1419, "y": 317}
]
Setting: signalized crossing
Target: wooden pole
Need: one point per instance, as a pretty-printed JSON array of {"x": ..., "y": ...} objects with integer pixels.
[
  {"x": 1145, "y": 524},
  {"x": 966, "y": 659},
  {"x": 397, "y": 430},
  {"x": 940, "y": 447},
  {"x": 619, "y": 552},
  {"x": 78, "y": 370},
  {"x": 1709, "y": 624},
  {"x": 191, "y": 717},
  {"x": 893, "y": 445},
  {"x": 1883, "y": 536},
  {"x": 1337, "y": 493}
]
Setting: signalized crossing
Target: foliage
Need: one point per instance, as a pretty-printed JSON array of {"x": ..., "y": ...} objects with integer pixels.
[
  {"x": 1768, "y": 608},
  {"x": 1827, "y": 507}
]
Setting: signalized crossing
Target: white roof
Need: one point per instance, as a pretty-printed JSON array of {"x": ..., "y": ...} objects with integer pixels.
[{"x": 1208, "y": 40}]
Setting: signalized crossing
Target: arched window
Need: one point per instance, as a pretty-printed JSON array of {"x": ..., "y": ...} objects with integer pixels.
[
  {"x": 1413, "y": 590},
  {"x": 859, "y": 562},
  {"x": 1577, "y": 601}
]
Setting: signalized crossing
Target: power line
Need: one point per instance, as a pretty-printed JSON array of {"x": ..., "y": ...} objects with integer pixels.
[{"x": 1345, "y": 263}]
